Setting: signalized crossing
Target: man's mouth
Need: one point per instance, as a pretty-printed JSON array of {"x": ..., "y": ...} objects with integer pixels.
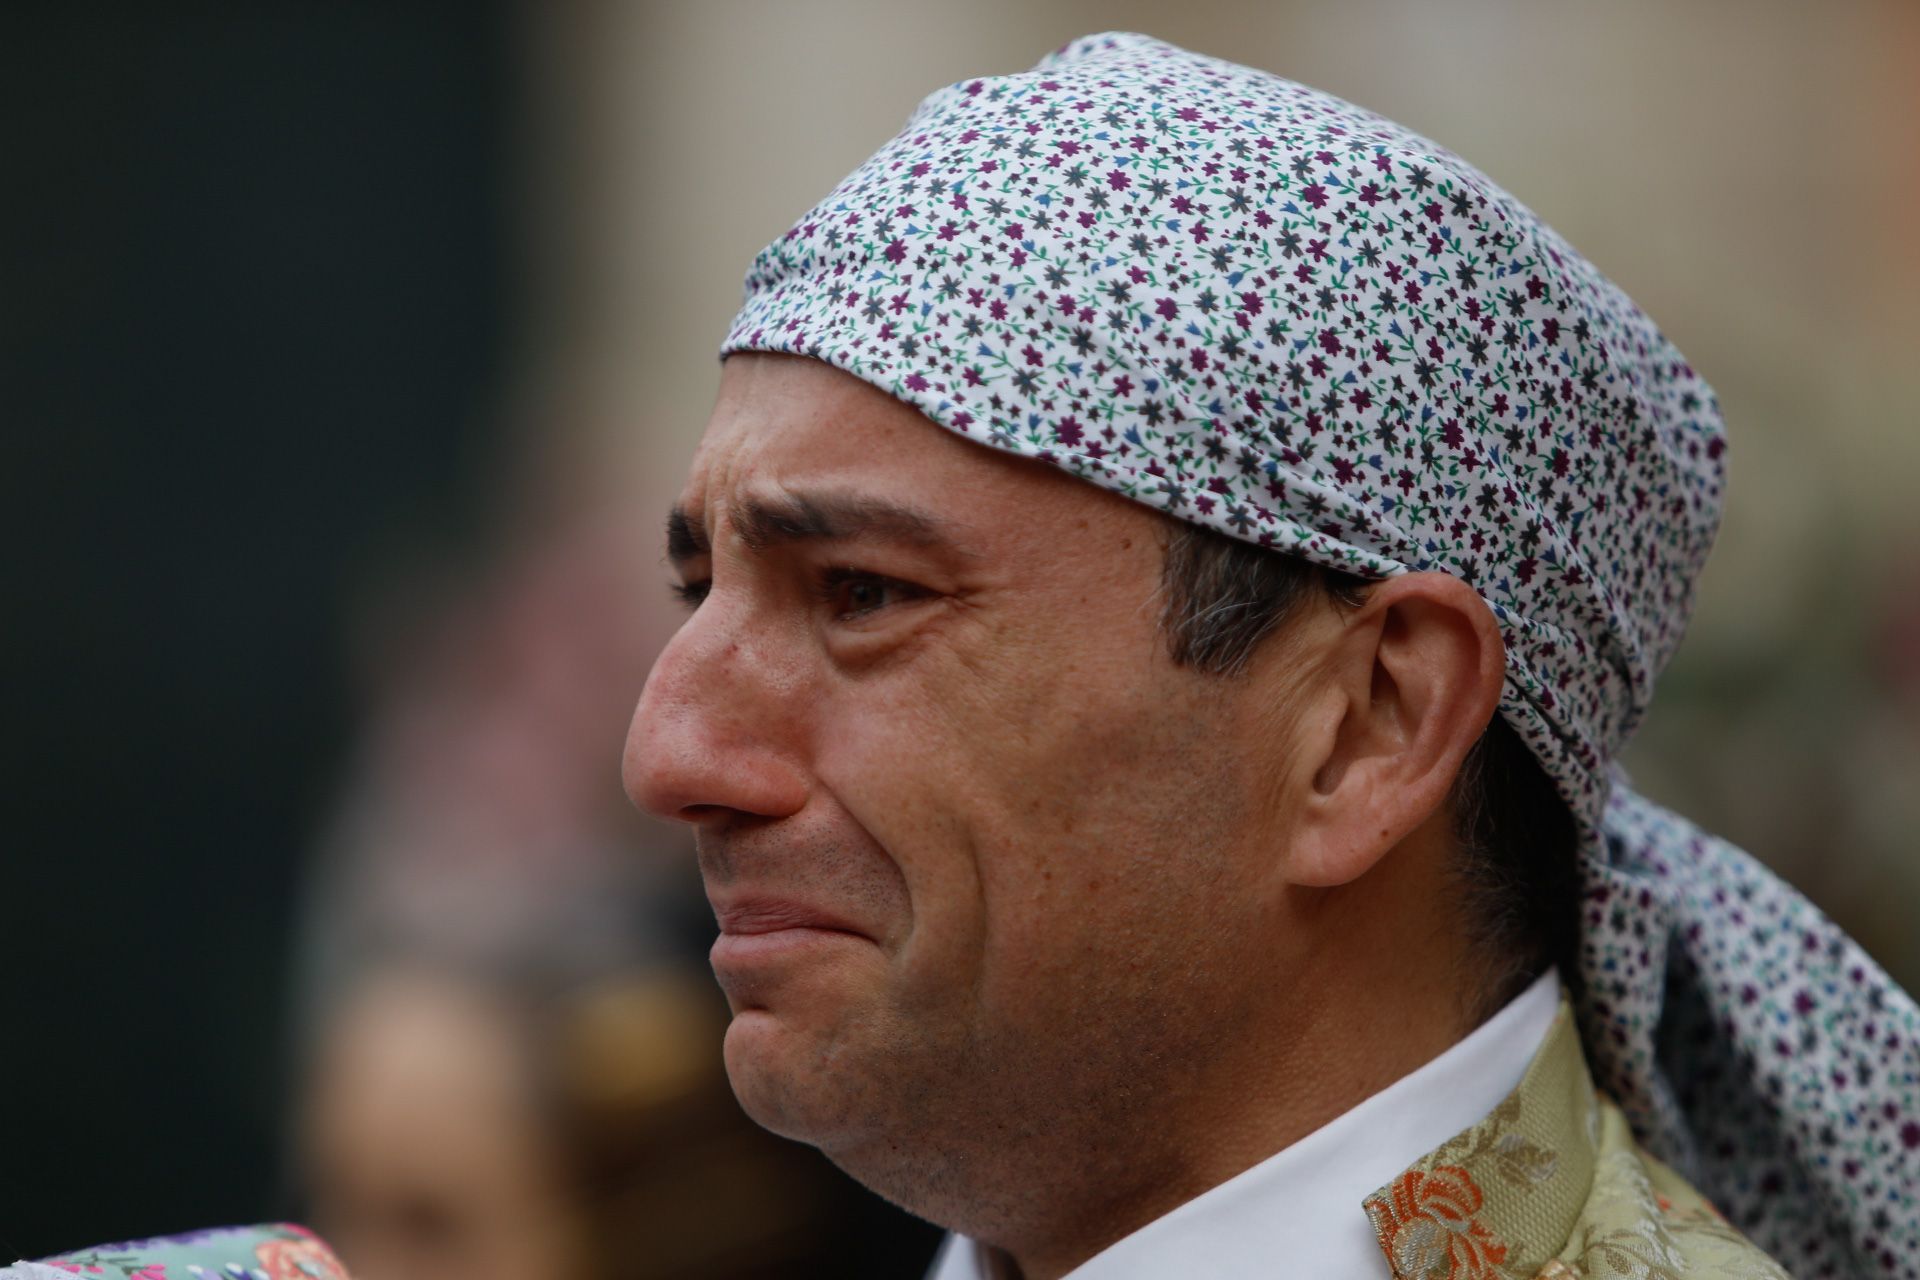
[
  {"x": 754, "y": 916},
  {"x": 760, "y": 936}
]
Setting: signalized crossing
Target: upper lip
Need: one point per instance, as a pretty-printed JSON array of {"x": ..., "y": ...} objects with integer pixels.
[{"x": 760, "y": 913}]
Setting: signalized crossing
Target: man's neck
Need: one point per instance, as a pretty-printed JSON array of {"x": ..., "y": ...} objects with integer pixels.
[
  {"x": 1351, "y": 1026},
  {"x": 1305, "y": 1201}
]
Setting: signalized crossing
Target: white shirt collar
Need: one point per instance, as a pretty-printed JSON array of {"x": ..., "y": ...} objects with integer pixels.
[{"x": 1303, "y": 1204}]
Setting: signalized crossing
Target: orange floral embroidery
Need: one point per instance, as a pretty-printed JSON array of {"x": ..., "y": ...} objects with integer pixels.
[
  {"x": 304, "y": 1258},
  {"x": 1428, "y": 1231}
]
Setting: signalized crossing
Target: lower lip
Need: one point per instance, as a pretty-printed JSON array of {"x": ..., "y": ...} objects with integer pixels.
[{"x": 732, "y": 950}]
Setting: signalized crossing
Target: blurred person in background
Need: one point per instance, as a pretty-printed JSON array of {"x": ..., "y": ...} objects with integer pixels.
[
  {"x": 510, "y": 1058},
  {"x": 1129, "y": 945},
  {"x": 468, "y": 1125}
]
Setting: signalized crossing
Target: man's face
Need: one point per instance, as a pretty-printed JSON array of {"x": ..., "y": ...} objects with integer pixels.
[{"x": 982, "y": 856}]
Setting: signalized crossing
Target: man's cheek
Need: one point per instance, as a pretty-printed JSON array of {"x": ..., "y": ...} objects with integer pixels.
[{"x": 933, "y": 836}]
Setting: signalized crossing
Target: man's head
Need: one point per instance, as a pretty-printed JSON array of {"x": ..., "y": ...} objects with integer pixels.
[
  {"x": 1077, "y": 835},
  {"x": 994, "y": 856},
  {"x": 1087, "y": 809}
]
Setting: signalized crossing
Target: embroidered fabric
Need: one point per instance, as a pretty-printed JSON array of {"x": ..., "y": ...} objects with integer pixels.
[{"x": 280, "y": 1251}]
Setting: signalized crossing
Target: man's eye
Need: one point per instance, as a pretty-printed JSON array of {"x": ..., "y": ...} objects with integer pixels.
[
  {"x": 851, "y": 593},
  {"x": 691, "y": 594}
]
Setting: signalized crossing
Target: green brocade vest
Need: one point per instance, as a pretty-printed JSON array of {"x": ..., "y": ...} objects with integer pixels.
[{"x": 1552, "y": 1186}]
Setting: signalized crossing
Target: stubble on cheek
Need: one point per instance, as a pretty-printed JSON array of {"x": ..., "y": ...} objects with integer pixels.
[{"x": 1094, "y": 985}]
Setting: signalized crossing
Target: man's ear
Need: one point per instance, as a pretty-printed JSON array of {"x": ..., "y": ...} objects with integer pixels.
[{"x": 1409, "y": 682}]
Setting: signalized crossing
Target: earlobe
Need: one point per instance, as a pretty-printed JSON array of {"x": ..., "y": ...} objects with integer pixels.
[{"x": 1412, "y": 679}]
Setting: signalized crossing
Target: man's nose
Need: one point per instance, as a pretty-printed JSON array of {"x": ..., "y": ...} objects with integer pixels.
[{"x": 715, "y": 736}]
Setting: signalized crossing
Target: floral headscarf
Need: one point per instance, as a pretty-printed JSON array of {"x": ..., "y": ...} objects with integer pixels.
[{"x": 1263, "y": 310}]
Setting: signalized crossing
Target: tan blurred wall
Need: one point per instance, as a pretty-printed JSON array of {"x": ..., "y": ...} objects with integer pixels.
[{"x": 1747, "y": 170}]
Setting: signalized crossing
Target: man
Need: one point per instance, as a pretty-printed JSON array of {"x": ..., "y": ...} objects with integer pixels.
[{"x": 1174, "y": 874}]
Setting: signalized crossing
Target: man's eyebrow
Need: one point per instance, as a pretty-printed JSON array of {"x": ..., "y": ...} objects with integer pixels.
[
  {"x": 686, "y": 540},
  {"x": 763, "y": 523}
]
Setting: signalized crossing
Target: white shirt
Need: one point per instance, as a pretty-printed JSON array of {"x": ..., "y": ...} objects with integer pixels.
[{"x": 1300, "y": 1209}]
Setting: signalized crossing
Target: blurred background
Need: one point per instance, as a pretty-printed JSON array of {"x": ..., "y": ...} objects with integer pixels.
[{"x": 349, "y": 357}]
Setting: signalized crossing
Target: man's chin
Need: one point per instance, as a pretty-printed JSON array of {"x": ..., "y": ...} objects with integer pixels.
[
  {"x": 783, "y": 1081},
  {"x": 859, "y": 1105}
]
